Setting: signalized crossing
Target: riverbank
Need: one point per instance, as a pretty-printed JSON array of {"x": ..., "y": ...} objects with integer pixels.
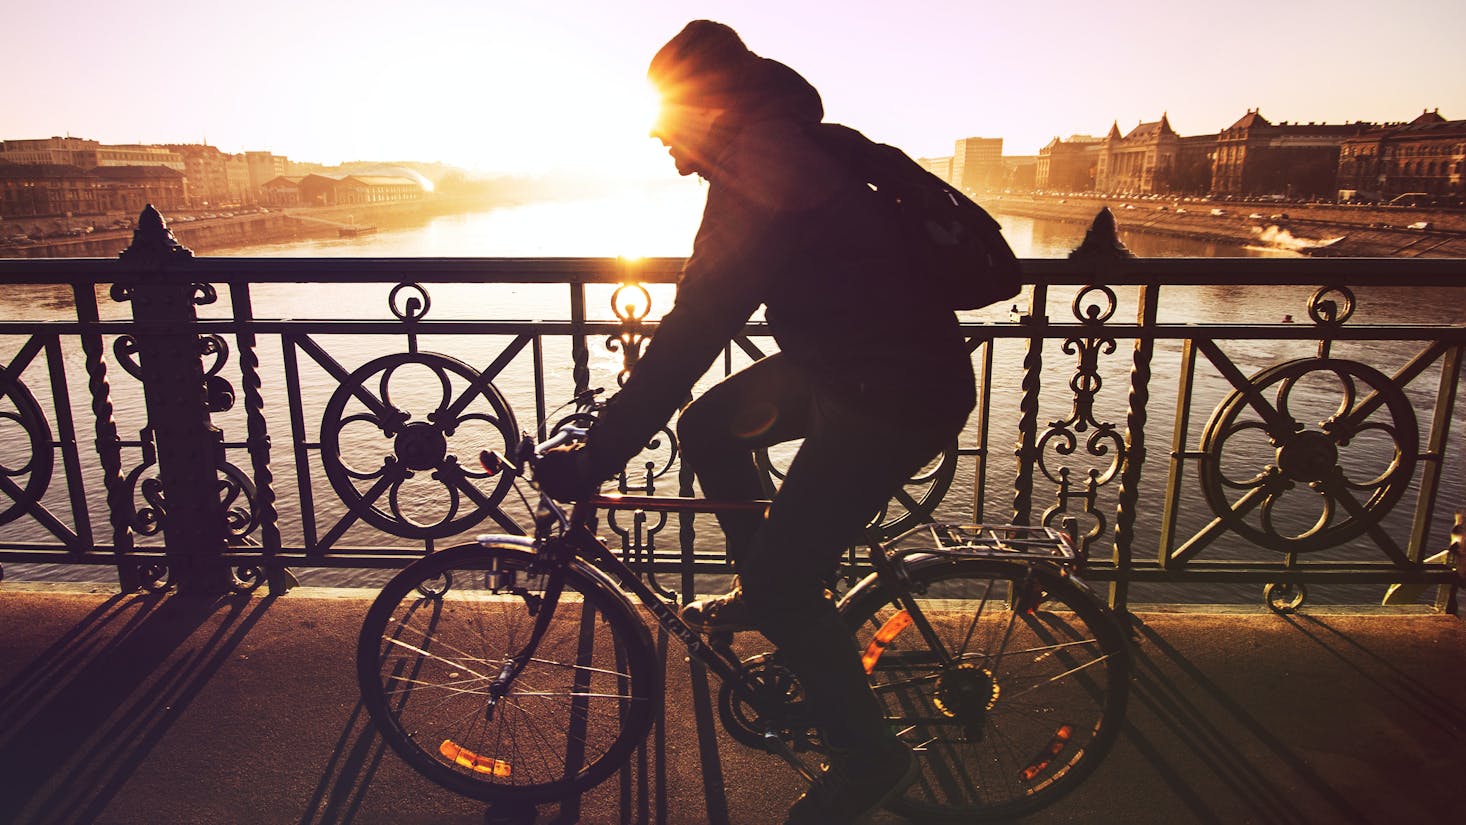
[
  {"x": 1311, "y": 229},
  {"x": 1308, "y": 229},
  {"x": 204, "y": 233}
]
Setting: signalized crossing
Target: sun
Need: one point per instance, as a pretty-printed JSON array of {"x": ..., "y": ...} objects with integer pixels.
[{"x": 621, "y": 115}]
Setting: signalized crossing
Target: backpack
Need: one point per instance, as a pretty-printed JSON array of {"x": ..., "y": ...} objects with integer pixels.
[{"x": 954, "y": 243}]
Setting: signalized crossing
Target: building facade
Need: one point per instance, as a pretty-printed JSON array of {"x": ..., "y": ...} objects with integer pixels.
[
  {"x": 207, "y": 179},
  {"x": 1068, "y": 165},
  {"x": 1295, "y": 160},
  {"x": 281, "y": 191},
  {"x": 45, "y": 189},
  {"x": 941, "y": 167},
  {"x": 55, "y": 151},
  {"x": 48, "y": 189},
  {"x": 1019, "y": 172},
  {"x": 263, "y": 167},
  {"x": 324, "y": 190},
  {"x": 128, "y": 189},
  {"x": 1141, "y": 162},
  {"x": 1425, "y": 156},
  {"x": 139, "y": 155},
  {"x": 977, "y": 164}
]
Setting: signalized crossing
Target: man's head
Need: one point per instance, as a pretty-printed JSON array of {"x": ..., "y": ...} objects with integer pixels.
[
  {"x": 698, "y": 73},
  {"x": 710, "y": 83}
]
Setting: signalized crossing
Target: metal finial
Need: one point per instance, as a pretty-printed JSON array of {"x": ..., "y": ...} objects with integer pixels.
[
  {"x": 1103, "y": 239},
  {"x": 152, "y": 238}
]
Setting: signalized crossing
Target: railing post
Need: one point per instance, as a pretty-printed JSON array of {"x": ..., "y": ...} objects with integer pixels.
[
  {"x": 189, "y": 449},
  {"x": 1026, "y": 450},
  {"x": 109, "y": 449},
  {"x": 579, "y": 350}
]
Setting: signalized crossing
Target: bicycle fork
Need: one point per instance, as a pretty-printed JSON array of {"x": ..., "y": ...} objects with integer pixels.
[{"x": 514, "y": 665}]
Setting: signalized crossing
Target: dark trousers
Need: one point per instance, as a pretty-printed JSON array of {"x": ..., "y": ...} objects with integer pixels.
[{"x": 850, "y": 463}]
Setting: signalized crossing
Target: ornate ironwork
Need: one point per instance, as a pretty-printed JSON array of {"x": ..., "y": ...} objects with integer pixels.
[
  {"x": 639, "y": 538},
  {"x": 108, "y": 444},
  {"x": 1136, "y": 413},
  {"x": 163, "y": 295},
  {"x": 147, "y": 519},
  {"x": 1093, "y": 306},
  {"x": 1326, "y": 310},
  {"x": 631, "y": 339},
  {"x": 26, "y": 481},
  {"x": 1309, "y": 460},
  {"x": 258, "y": 441},
  {"x": 403, "y": 443}
]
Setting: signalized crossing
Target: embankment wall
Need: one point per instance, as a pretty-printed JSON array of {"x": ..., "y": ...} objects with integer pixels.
[{"x": 1313, "y": 229}]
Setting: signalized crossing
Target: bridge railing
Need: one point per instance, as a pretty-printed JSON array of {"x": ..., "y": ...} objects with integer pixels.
[{"x": 1211, "y": 430}]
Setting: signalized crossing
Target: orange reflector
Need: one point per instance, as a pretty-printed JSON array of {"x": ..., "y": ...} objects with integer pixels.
[
  {"x": 463, "y": 756},
  {"x": 890, "y": 630},
  {"x": 1045, "y": 756}
]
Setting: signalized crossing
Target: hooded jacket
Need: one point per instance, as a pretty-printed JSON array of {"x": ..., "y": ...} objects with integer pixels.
[{"x": 785, "y": 226}]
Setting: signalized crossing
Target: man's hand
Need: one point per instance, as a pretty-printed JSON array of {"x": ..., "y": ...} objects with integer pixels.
[{"x": 564, "y": 474}]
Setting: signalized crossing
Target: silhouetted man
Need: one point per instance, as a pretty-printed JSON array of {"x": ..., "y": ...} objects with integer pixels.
[{"x": 872, "y": 373}]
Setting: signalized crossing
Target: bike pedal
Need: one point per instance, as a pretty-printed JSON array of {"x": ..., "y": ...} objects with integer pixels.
[{"x": 721, "y": 639}]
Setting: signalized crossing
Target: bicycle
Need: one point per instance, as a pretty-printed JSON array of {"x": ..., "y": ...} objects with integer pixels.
[{"x": 521, "y": 671}]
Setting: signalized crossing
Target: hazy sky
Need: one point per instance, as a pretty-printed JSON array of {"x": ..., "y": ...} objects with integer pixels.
[{"x": 537, "y": 86}]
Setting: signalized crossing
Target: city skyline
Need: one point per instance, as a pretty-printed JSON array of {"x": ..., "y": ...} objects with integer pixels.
[{"x": 531, "y": 90}]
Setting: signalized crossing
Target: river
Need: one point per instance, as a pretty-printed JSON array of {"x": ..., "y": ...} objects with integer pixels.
[{"x": 663, "y": 222}]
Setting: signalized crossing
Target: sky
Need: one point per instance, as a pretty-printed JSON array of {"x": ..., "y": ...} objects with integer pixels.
[{"x": 541, "y": 87}]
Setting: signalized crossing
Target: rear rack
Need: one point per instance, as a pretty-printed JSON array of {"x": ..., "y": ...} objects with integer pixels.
[{"x": 1007, "y": 541}]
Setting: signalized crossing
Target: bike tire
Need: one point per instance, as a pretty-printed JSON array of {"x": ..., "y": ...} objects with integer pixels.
[
  {"x": 1027, "y": 705},
  {"x": 440, "y": 632}
]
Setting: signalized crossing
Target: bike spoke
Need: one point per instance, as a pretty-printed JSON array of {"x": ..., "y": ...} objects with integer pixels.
[{"x": 435, "y": 657}]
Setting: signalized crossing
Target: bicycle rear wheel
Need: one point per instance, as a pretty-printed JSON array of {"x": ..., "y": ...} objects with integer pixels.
[
  {"x": 1008, "y": 709},
  {"x": 441, "y": 632}
]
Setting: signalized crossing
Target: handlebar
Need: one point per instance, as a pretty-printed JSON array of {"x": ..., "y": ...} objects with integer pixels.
[
  {"x": 529, "y": 452},
  {"x": 566, "y": 434}
]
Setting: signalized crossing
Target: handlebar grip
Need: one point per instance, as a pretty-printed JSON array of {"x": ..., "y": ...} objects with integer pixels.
[{"x": 564, "y": 435}]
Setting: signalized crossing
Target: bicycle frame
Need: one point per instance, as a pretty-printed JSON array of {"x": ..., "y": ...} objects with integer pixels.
[{"x": 578, "y": 542}]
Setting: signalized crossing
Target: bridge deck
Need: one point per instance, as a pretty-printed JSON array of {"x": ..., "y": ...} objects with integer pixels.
[{"x": 145, "y": 710}]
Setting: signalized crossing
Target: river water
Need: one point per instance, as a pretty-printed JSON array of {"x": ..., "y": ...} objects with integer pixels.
[{"x": 662, "y": 222}]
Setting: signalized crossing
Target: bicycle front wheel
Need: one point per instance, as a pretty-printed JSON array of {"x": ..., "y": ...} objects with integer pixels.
[
  {"x": 1008, "y": 680},
  {"x": 440, "y": 634}
]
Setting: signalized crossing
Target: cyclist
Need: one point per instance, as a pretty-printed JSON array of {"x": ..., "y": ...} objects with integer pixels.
[{"x": 872, "y": 373}]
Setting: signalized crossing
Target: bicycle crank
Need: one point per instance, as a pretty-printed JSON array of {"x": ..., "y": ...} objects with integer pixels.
[{"x": 775, "y": 718}]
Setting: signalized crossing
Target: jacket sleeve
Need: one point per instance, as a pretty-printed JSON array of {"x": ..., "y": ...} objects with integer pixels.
[{"x": 736, "y": 254}]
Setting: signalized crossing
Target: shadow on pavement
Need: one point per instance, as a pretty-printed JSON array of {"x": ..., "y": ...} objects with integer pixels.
[{"x": 81, "y": 718}]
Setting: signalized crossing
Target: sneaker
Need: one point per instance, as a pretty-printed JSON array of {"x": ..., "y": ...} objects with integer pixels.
[
  {"x": 727, "y": 613},
  {"x": 855, "y": 784}
]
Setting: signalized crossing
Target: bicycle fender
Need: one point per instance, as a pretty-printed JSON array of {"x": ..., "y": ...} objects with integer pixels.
[{"x": 911, "y": 562}]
